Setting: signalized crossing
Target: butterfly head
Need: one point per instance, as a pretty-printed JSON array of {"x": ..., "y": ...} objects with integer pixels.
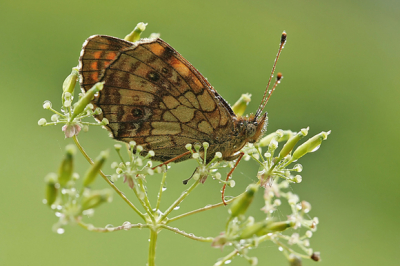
[{"x": 252, "y": 128}]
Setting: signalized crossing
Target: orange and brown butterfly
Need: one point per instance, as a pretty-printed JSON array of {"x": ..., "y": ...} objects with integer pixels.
[{"x": 155, "y": 97}]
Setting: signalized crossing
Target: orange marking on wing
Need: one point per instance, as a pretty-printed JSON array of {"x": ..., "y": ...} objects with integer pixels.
[
  {"x": 111, "y": 55},
  {"x": 93, "y": 65},
  {"x": 95, "y": 76},
  {"x": 97, "y": 54},
  {"x": 180, "y": 67},
  {"x": 157, "y": 49}
]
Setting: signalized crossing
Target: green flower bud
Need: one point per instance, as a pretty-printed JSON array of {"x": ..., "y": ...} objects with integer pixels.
[
  {"x": 135, "y": 34},
  {"x": 96, "y": 198},
  {"x": 240, "y": 106},
  {"x": 85, "y": 100},
  {"x": 310, "y": 145},
  {"x": 289, "y": 145},
  {"x": 253, "y": 229},
  {"x": 95, "y": 168},
  {"x": 70, "y": 81},
  {"x": 275, "y": 227},
  {"x": 239, "y": 206},
  {"x": 67, "y": 166},
  {"x": 51, "y": 188}
]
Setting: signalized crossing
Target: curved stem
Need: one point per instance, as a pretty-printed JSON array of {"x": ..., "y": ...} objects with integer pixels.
[
  {"x": 191, "y": 236},
  {"x": 107, "y": 180}
]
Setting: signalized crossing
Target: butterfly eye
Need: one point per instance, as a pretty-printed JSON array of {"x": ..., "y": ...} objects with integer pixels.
[
  {"x": 251, "y": 130},
  {"x": 137, "y": 112}
]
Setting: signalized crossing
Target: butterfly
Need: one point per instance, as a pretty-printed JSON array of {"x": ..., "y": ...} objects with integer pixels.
[{"x": 155, "y": 97}]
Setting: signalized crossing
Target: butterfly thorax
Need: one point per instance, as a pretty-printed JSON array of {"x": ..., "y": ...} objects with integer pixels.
[{"x": 245, "y": 130}]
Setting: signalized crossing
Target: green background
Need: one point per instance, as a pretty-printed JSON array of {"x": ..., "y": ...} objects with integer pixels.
[{"x": 341, "y": 73}]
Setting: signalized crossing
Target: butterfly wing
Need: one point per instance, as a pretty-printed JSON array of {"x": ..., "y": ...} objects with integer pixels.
[{"x": 154, "y": 96}]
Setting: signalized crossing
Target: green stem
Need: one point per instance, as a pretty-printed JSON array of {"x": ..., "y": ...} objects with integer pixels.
[
  {"x": 164, "y": 177},
  {"x": 107, "y": 180},
  {"x": 179, "y": 200},
  {"x": 112, "y": 229},
  {"x": 145, "y": 207},
  {"x": 191, "y": 236},
  {"x": 227, "y": 257},
  {"x": 152, "y": 247},
  {"x": 205, "y": 208}
]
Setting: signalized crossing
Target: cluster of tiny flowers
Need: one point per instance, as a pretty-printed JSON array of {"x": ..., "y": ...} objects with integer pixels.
[
  {"x": 67, "y": 201},
  {"x": 137, "y": 168},
  {"x": 275, "y": 175},
  {"x": 71, "y": 114},
  {"x": 299, "y": 218},
  {"x": 208, "y": 168}
]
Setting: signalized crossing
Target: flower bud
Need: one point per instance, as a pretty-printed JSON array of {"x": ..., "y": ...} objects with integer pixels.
[
  {"x": 310, "y": 145},
  {"x": 67, "y": 167},
  {"x": 240, "y": 106},
  {"x": 95, "y": 168},
  {"x": 42, "y": 122},
  {"x": 253, "y": 229},
  {"x": 275, "y": 227},
  {"x": 294, "y": 260},
  {"x": 289, "y": 145},
  {"x": 96, "y": 198},
  {"x": 85, "y": 100},
  {"x": 239, "y": 205},
  {"x": 135, "y": 34},
  {"x": 316, "y": 256},
  {"x": 70, "y": 81},
  {"x": 51, "y": 188}
]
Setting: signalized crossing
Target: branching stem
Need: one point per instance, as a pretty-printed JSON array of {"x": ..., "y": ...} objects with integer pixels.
[{"x": 107, "y": 180}]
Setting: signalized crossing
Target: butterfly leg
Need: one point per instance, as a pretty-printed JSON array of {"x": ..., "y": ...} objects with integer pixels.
[
  {"x": 171, "y": 160},
  {"x": 229, "y": 174},
  {"x": 187, "y": 180}
]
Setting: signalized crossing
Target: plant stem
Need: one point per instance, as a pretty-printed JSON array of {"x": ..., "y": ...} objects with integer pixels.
[
  {"x": 152, "y": 247},
  {"x": 112, "y": 229},
  {"x": 179, "y": 200},
  {"x": 164, "y": 177},
  {"x": 205, "y": 208},
  {"x": 107, "y": 180},
  {"x": 191, "y": 236}
]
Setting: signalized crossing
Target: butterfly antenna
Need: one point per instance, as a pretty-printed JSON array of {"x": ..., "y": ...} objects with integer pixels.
[{"x": 267, "y": 94}]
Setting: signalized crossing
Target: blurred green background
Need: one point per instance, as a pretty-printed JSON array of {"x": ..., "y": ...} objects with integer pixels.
[{"x": 341, "y": 73}]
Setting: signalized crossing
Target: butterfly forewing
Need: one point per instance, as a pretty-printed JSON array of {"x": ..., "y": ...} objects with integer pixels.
[{"x": 152, "y": 95}]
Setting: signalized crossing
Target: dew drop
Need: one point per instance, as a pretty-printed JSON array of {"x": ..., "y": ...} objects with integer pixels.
[
  {"x": 164, "y": 189},
  {"x": 316, "y": 148},
  {"x": 228, "y": 262},
  {"x": 280, "y": 248},
  {"x": 60, "y": 231},
  {"x": 176, "y": 208},
  {"x": 126, "y": 225}
]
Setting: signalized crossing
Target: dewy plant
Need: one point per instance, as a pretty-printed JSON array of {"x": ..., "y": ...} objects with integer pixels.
[{"x": 71, "y": 196}]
